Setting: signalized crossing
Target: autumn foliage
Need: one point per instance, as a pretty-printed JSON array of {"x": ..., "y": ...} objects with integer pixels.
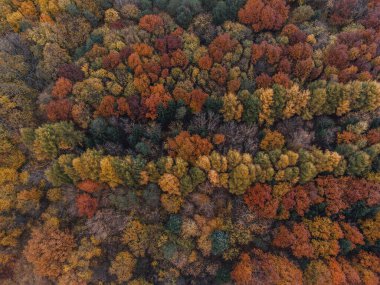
[
  {"x": 151, "y": 23},
  {"x": 189, "y": 147},
  {"x": 48, "y": 249},
  {"x": 259, "y": 199},
  {"x": 264, "y": 14},
  {"x": 266, "y": 268},
  {"x": 86, "y": 205},
  {"x": 190, "y": 142},
  {"x": 62, "y": 87}
]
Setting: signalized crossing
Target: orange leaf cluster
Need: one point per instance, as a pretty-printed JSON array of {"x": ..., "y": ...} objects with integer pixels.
[
  {"x": 62, "y": 87},
  {"x": 158, "y": 96},
  {"x": 48, "y": 249},
  {"x": 264, "y": 14},
  {"x": 189, "y": 147},
  {"x": 178, "y": 58},
  {"x": 297, "y": 239},
  {"x": 272, "y": 53},
  {"x": 110, "y": 106},
  {"x": 221, "y": 45},
  {"x": 259, "y": 199},
  {"x": 151, "y": 23},
  {"x": 205, "y": 62},
  {"x": 194, "y": 99},
  {"x": 219, "y": 74},
  {"x": 86, "y": 205},
  {"x": 297, "y": 199},
  {"x": 89, "y": 186},
  {"x": 265, "y": 268},
  {"x": 58, "y": 110}
]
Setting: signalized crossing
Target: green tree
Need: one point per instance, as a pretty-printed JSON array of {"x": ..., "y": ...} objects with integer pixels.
[
  {"x": 359, "y": 163},
  {"x": 50, "y": 139}
]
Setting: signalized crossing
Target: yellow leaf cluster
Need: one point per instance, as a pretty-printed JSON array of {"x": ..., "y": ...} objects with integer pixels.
[
  {"x": 266, "y": 98},
  {"x": 170, "y": 184},
  {"x": 296, "y": 101},
  {"x": 232, "y": 109}
]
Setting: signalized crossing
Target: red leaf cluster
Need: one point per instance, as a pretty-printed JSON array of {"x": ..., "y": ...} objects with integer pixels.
[
  {"x": 86, "y": 205},
  {"x": 264, "y": 14}
]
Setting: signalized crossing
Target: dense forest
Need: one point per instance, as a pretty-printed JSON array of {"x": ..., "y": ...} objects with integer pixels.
[{"x": 190, "y": 142}]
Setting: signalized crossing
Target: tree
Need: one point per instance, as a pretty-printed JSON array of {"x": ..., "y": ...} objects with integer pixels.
[
  {"x": 136, "y": 237},
  {"x": 352, "y": 234},
  {"x": 152, "y": 24},
  {"x": 266, "y": 98},
  {"x": 297, "y": 199},
  {"x": 87, "y": 166},
  {"x": 325, "y": 234},
  {"x": 58, "y": 110},
  {"x": 171, "y": 203},
  {"x": 369, "y": 226},
  {"x": 28, "y": 200},
  {"x": 260, "y": 200},
  {"x": 194, "y": 98},
  {"x": 109, "y": 172},
  {"x": 345, "y": 11},
  {"x": 266, "y": 268},
  {"x": 219, "y": 13},
  {"x": 158, "y": 96},
  {"x": 89, "y": 90},
  {"x": 169, "y": 184},
  {"x": 188, "y": 147},
  {"x": 10, "y": 155},
  {"x": 264, "y": 15},
  {"x": 111, "y": 61},
  {"x": 221, "y": 45},
  {"x": 301, "y": 14},
  {"x": 272, "y": 140},
  {"x": 49, "y": 139},
  {"x": 89, "y": 186},
  {"x": 48, "y": 249},
  {"x": 243, "y": 271},
  {"x": 78, "y": 268},
  {"x": 62, "y": 87},
  {"x": 86, "y": 205},
  {"x": 205, "y": 62},
  {"x": 296, "y": 101},
  {"x": 297, "y": 239},
  {"x": 359, "y": 163},
  {"x": 218, "y": 73},
  {"x": 232, "y": 109},
  {"x": 106, "y": 107},
  {"x": 80, "y": 114},
  {"x": 123, "y": 266},
  {"x": 220, "y": 242},
  {"x": 198, "y": 98}
]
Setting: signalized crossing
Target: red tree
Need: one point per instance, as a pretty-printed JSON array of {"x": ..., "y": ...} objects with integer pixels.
[
  {"x": 259, "y": 199},
  {"x": 220, "y": 46},
  {"x": 86, "y": 205},
  {"x": 219, "y": 74},
  {"x": 264, "y": 14},
  {"x": 151, "y": 23},
  {"x": 205, "y": 62},
  {"x": 58, "y": 110},
  {"x": 62, "y": 87},
  {"x": 111, "y": 60}
]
